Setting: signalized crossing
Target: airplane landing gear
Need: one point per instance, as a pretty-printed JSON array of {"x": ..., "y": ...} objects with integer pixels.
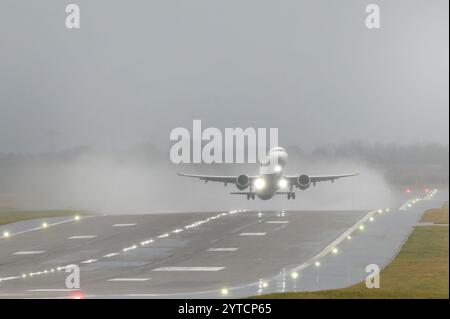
[
  {"x": 291, "y": 195},
  {"x": 250, "y": 196}
]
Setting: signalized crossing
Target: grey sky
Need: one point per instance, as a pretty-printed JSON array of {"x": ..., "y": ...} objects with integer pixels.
[{"x": 137, "y": 69}]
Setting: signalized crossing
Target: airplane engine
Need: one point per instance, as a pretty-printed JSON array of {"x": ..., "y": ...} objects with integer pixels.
[
  {"x": 303, "y": 182},
  {"x": 242, "y": 182}
]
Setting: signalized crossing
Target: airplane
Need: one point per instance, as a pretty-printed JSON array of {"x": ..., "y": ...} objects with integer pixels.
[{"x": 271, "y": 181}]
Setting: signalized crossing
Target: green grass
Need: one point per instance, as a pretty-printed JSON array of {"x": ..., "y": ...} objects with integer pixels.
[
  {"x": 15, "y": 216},
  {"x": 420, "y": 270},
  {"x": 436, "y": 215}
]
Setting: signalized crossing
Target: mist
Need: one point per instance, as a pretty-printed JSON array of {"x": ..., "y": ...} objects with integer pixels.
[{"x": 143, "y": 180}]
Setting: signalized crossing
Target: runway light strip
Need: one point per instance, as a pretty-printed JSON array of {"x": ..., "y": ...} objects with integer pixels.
[
  {"x": 134, "y": 246},
  {"x": 40, "y": 227},
  {"x": 179, "y": 230},
  {"x": 316, "y": 259},
  {"x": 129, "y": 248},
  {"x": 189, "y": 269}
]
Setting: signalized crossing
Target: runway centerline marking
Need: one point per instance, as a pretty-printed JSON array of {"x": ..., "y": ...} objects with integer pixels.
[
  {"x": 277, "y": 222},
  {"x": 189, "y": 269},
  {"x": 223, "y": 249},
  {"x": 252, "y": 234},
  {"x": 82, "y": 237},
  {"x": 110, "y": 255},
  {"x": 89, "y": 261},
  {"x": 124, "y": 225},
  {"x": 29, "y": 252},
  {"x": 129, "y": 279}
]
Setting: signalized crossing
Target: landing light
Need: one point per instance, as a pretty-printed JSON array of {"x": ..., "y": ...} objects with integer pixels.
[
  {"x": 6, "y": 234},
  {"x": 317, "y": 263},
  {"x": 335, "y": 251},
  {"x": 277, "y": 169},
  {"x": 44, "y": 225},
  {"x": 224, "y": 291},
  {"x": 361, "y": 227},
  {"x": 294, "y": 275},
  {"x": 282, "y": 183},
  {"x": 260, "y": 183}
]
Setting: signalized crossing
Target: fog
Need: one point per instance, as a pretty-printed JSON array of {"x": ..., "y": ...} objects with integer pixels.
[
  {"x": 79, "y": 107},
  {"x": 143, "y": 180}
]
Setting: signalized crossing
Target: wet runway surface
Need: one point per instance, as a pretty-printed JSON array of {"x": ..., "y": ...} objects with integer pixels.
[{"x": 218, "y": 254}]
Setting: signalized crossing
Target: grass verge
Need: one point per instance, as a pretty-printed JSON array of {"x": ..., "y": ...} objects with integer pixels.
[{"x": 436, "y": 215}]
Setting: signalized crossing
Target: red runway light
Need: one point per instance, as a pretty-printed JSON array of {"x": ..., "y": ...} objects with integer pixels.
[
  {"x": 408, "y": 190},
  {"x": 426, "y": 190},
  {"x": 77, "y": 295}
]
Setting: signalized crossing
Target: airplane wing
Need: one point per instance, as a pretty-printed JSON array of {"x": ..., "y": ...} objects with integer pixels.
[
  {"x": 215, "y": 178},
  {"x": 320, "y": 178}
]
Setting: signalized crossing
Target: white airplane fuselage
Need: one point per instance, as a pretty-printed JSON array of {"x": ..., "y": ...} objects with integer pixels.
[{"x": 270, "y": 178}]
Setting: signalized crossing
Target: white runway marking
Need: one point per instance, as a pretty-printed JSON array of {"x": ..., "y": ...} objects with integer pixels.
[
  {"x": 110, "y": 255},
  {"x": 189, "y": 269},
  {"x": 277, "y": 222},
  {"x": 124, "y": 225},
  {"x": 223, "y": 249},
  {"x": 52, "y": 290},
  {"x": 82, "y": 237},
  {"x": 252, "y": 234},
  {"x": 129, "y": 279},
  {"x": 30, "y": 252},
  {"x": 89, "y": 261}
]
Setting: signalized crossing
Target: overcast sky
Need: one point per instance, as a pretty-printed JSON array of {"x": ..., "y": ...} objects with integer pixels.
[{"x": 137, "y": 69}]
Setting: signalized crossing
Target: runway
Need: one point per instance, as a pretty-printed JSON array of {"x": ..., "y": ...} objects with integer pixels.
[{"x": 223, "y": 254}]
